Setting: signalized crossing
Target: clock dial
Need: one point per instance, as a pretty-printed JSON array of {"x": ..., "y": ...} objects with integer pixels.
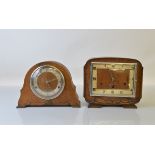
[
  {"x": 47, "y": 82},
  {"x": 113, "y": 79}
]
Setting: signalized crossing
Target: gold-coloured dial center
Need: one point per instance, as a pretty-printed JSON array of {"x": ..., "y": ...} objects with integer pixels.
[{"x": 47, "y": 81}]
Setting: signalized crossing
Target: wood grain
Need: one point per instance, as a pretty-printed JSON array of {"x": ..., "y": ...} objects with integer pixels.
[
  {"x": 68, "y": 97},
  {"x": 99, "y": 101}
]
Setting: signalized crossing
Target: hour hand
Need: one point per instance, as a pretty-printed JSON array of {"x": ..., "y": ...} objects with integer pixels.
[
  {"x": 111, "y": 76},
  {"x": 113, "y": 79},
  {"x": 49, "y": 81}
]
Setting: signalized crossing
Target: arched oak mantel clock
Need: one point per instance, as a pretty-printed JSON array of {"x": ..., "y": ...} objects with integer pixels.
[{"x": 48, "y": 84}]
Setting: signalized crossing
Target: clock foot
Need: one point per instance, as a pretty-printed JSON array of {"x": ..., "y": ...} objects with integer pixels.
[
  {"x": 130, "y": 106},
  {"x": 95, "y": 106},
  {"x": 75, "y": 106},
  {"x": 21, "y": 106}
]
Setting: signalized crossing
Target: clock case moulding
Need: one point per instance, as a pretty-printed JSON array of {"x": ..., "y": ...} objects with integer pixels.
[
  {"x": 68, "y": 97},
  {"x": 99, "y": 101}
]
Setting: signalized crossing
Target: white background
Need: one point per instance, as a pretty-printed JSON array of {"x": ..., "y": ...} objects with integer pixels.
[
  {"x": 76, "y": 139},
  {"x": 21, "y": 49}
]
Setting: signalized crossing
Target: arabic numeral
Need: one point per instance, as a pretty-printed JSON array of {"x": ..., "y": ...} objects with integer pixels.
[{"x": 112, "y": 92}]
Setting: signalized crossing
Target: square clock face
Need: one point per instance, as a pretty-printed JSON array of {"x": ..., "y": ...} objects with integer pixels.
[{"x": 113, "y": 79}]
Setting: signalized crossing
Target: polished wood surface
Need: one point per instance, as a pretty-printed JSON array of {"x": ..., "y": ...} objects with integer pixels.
[
  {"x": 104, "y": 80},
  {"x": 120, "y": 83},
  {"x": 68, "y": 97}
]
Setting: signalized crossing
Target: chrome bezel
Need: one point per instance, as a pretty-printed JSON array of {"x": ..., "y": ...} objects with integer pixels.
[{"x": 47, "y": 95}]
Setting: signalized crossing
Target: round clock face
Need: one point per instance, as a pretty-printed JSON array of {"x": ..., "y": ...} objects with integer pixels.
[{"x": 47, "y": 82}]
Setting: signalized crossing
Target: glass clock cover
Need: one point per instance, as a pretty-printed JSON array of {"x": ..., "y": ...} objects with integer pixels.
[
  {"x": 113, "y": 79},
  {"x": 47, "y": 82}
]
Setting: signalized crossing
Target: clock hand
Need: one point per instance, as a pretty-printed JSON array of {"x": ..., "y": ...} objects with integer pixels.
[
  {"x": 112, "y": 77},
  {"x": 48, "y": 84},
  {"x": 49, "y": 81},
  {"x": 53, "y": 80},
  {"x": 112, "y": 80}
]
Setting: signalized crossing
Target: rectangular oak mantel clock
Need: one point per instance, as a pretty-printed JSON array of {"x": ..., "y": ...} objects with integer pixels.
[{"x": 113, "y": 81}]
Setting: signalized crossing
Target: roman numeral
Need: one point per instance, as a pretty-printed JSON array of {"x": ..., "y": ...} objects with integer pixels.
[{"x": 94, "y": 89}]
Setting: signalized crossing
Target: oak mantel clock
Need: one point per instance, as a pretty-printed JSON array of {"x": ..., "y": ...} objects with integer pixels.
[
  {"x": 113, "y": 81},
  {"x": 48, "y": 84}
]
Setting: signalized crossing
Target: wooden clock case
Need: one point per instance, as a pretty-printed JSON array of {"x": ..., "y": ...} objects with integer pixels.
[
  {"x": 99, "y": 101},
  {"x": 68, "y": 97}
]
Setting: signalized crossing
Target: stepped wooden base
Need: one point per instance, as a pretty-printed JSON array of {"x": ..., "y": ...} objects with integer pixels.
[{"x": 133, "y": 106}]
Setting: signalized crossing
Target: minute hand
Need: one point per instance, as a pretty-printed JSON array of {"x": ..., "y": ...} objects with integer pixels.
[{"x": 49, "y": 81}]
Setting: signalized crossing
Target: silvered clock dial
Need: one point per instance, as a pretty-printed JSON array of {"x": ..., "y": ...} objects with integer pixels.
[{"x": 47, "y": 82}]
